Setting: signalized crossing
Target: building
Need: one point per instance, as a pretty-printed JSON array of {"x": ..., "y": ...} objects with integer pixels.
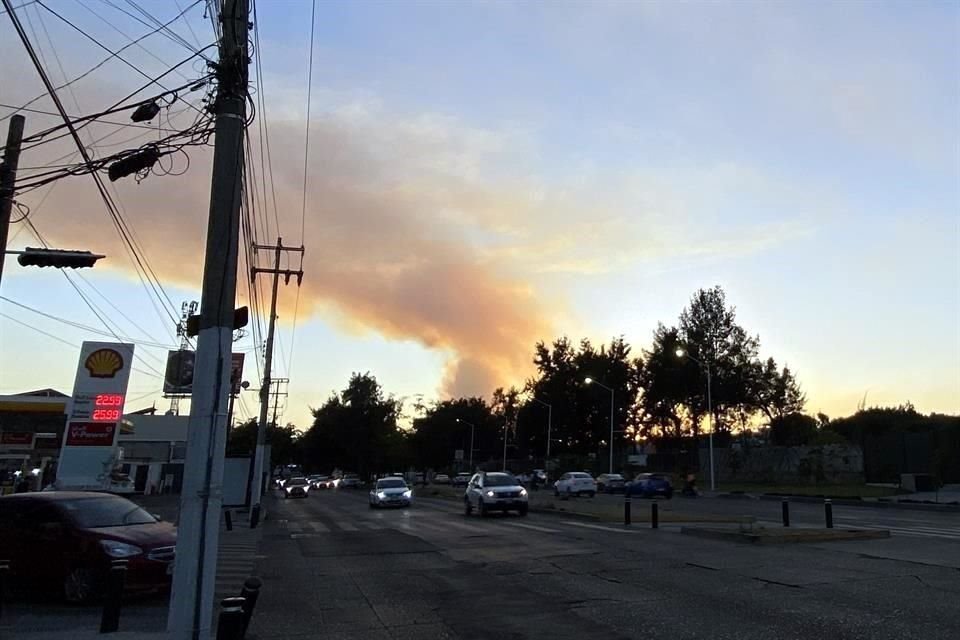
[{"x": 31, "y": 431}]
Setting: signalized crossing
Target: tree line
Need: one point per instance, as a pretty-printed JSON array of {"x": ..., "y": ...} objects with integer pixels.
[{"x": 704, "y": 369}]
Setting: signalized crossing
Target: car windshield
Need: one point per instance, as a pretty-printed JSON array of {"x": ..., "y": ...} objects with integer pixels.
[
  {"x": 91, "y": 513},
  {"x": 296, "y": 481},
  {"x": 614, "y": 476},
  {"x": 391, "y": 483},
  {"x": 499, "y": 480},
  {"x": 579, "y": 475}
]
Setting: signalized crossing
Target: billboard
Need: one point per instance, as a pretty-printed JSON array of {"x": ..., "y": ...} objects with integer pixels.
[
  {"x": 178, "y": 377},
  {"x": 88, "y": 453}
]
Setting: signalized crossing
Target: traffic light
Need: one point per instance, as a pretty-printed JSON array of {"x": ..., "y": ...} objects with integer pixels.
[{"x": 58, "y": 258}]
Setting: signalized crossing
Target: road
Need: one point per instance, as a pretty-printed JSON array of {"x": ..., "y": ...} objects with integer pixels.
[{"x": 334, "y": 568}]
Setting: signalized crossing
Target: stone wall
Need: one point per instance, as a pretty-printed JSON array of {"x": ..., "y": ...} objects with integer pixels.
[{"x": 836, "y": 463}]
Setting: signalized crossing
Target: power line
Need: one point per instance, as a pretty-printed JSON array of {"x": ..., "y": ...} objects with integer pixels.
[
  {"x": 107, "y": 49},
  {"x": 67, "y": 342}
]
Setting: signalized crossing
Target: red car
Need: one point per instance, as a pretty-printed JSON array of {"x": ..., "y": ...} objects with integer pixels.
[{"x": 65, "y": 540}]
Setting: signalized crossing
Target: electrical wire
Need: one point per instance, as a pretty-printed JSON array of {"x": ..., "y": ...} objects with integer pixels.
[{"x": 120, "y": 224}]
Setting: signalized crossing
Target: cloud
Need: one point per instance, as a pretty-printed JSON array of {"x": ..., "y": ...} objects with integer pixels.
[{"x": 421, "y": 227}]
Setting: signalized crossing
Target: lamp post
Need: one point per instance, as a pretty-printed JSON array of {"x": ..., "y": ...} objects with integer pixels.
[
  {"x": 549, "y": 424},
  {"x": 589, "y": 380},
  {"x": 472, "y": 427},
  {"x": 706, "y": 367}
]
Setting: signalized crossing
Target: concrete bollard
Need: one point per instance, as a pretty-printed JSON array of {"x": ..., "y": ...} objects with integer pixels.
[
  {"x": 785, "y": 511},
  {"x": 230, "y": 621},
  {"x": 626, "y": 509},
  {"x": 250, "y": 592},
  {"x": 654, "y": 515},
  {"x": 828, "y": 512},
  {"x": 4, "y": 570},
  {"x": 110, "y": 618}
]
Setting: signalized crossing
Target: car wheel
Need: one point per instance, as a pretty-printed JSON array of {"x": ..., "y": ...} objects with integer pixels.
[
  {"x": 482, "y": 508},
  {"x": 80, "y": 586},
  {"x": 467, "y": 507},
  {"x": 523, "y": 510}
]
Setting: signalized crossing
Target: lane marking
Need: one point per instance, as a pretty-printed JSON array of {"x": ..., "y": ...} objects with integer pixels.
[
  {"x": 532, "y": 527},
  {"x": 598, "y": 527}
]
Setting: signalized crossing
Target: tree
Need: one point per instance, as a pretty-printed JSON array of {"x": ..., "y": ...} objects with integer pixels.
[
  {"x": 581, "y": 413},
  {"x": 357, "y": 429},
  {"x": 777, "y": 392},
  {"x": 667, "y": 382},
  {"x": 792, "y": 430},
  {"x": 284, "y": 442},
  {"x": 437, "y": 434},
  {"x": 710, "y": 334}
]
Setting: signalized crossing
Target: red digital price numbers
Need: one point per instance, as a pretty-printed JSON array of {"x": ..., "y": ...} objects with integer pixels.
[{"x": 107, "y": 407}]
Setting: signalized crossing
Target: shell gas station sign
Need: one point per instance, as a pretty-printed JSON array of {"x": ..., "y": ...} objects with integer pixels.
[{"x": 89, "y": 447}]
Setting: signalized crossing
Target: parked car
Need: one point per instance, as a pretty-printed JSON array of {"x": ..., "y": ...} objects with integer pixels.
[
  {"x": 64, "y": 541},
  {"x": 391, "y": 492},
  {"x": 650, "y": 485},
  {"x": 575, "y": 483},
  {"x": 296, "y": 488},
  {"x": 540, "y": 476},
  {"x": 441, "y": 478},
  {"x": 611, "y": 483},
  {"x": 349, "y": 481},
  {"x": 496, "y": 491},
  {"x": 460, "y": 480}
]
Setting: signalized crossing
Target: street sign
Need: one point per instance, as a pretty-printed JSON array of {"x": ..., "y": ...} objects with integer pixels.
[
  {"x": 89, "y": 446},
  {"x": 458, "y": 455}
]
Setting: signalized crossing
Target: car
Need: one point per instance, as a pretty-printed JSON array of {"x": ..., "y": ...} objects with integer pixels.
[
  {"x": 575, "y": 483},
  {"x": 611, "y": 483},
  {"x": 441, "y": 478},
  {"x": 64, "y": 541},
  {"x": 349, "y": 481},
  {"x": 296, "y": 487},
  {"x": 318, "y": 481},
  {"x": 495, "y": 491},
  {"x": 650, "y": 485},
  {"x": 460, "y": 480},
  {"x": 391, "y": 492},
  {"x": 540, "y": 476}
]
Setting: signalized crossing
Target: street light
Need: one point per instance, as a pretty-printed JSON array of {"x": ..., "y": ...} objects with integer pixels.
[
  {"x": 589, "y": 380},
  {"x": 706, "y": 367},
  {"x": 549, "y": 424},
  {"x": 472, "y": 427}
]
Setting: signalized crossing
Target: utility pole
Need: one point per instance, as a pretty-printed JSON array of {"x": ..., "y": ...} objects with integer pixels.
[
  {"x": 256, "y": 479},
  {"x": 192, "y": 598},
  {"x": 8, "y": 176}
]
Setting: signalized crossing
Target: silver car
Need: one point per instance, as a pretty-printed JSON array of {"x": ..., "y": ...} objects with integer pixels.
[
  {"x": 495, "y": 491},
  {"x": 391, "y": 492}
]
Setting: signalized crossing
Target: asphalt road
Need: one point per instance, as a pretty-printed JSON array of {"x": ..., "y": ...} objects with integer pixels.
[{"x": 333, "y": 568}]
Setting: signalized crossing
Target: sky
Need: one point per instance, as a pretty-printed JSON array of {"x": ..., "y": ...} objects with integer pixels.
[{"x": 484, "y": 175}]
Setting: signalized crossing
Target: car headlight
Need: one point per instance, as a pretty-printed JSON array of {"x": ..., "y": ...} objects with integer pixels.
[
  {"x": 116, "y": 549},
  {"x": 523, "y": 492},
  {"x": 382, "y": 495},
  {"x": 288, "y": 489},
  {"x": 408, "y": 493},
  {"x": 491, "y": 494}
]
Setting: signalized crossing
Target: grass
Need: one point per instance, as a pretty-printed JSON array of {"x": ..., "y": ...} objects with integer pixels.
[{"x": 830, "y": 490}]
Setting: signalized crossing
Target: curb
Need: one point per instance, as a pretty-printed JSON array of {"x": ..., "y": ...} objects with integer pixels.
[
  {"x": 853, "y": 502},
  {"x": 793, "y": 537}
]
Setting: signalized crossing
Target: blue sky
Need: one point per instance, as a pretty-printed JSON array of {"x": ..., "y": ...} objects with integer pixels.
[{"x": 486, "y": 174}]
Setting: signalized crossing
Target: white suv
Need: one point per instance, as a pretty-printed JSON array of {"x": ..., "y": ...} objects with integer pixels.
[
  {"x": 575, "y": 483},
  {"x": 488, "y": 492}
]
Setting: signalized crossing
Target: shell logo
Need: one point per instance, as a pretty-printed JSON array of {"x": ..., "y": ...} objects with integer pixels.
[{"x": 103, "y": 363}]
